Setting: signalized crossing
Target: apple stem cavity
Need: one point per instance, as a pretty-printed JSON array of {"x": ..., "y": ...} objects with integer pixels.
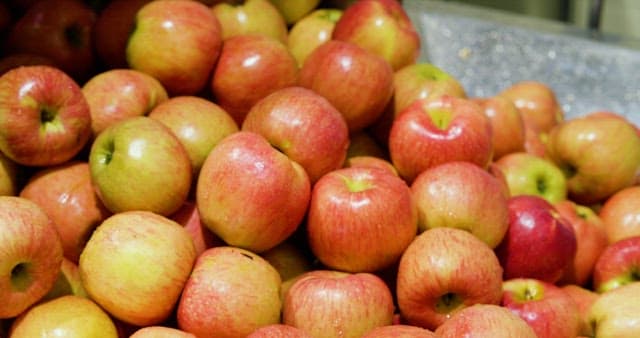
[
  {"x": 441, "y": 118},
  {"x": 448, "y": 302},
  {"x": 20, "y": 277},
  {"x": 569, "y": 170},
  {"x": 541, "y": 185},
  {"x": 357, "y": 185},
  {"x": 73, "y": 34}
]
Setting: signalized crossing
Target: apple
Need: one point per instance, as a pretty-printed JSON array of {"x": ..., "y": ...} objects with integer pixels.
[
  {"x": 617, "y": 265},
  {"x": 230, "y": 293},
  {"x": 363, "y": 143},
  {"x": 528, "y": 174},
  {"x": 67, "y": 283},
  {"x": 111, "y": 31},
  {"x": 248, "y": 17},
  {"x": 139, "y": 164},
  {"x": 117, "y": 94},
  {"x": 439, "y": 273},
  {"x": 434, "y": 131},
  {"x": 161, "y": 332},
  {"x": 249, "y": 68},
  {"x": 278, "y": 331},
  {"x": 599, "y": 155},
  {"x": 294, "y": 10},
  {"x": 370, "y": 162},
  {"x": 9, "y": 172},
  {"x": 537, "y": 104},
  {"x": 485, "y": 320},
  {"x": 66, "y": 193},
  {"x": 177, "y": 42},
  {"x": 399, "y": 331},
  {"x": 67, "y": 316},
  {"x": 583, "y": 298},
  {"x": 550, "y": 311},
  {"x": 44, "y": 116},
  {"x": 189, "y": 217},
  {"x": 31, "y": 256},
  {"x": 535, "y": 143},
  {"x": 360, "y": 219},
  {"x": 615, "y": 313},
  {"x": 311, "y": 31},
  {"x": 135, "y": 266},
  {"x": 381, "y": 27},
  {"x": 198, "y": 123},
  {"x": 621, "y": 215},
  {"x": 5, "y": 17},
  {"x": 328, "y": 303},
  {"x": 304, "y": 126},
  {"x": 462, "y": 195},
  {"x": 61, "y": 30},
  {"x": 357, "y": 82},
  {"x": 591, "y": 240},
  {"x": 506, "y": 123},
  {"x": 290, "y": 259},
  {"x": 539, "y": 243},
  {"x": 15, "y": 60}
]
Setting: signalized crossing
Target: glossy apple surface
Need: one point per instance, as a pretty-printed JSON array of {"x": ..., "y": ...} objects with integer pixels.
[
  {"x": 485, "y": 320},
  {"x": 621, "y": 215},
  {"x": 615, "y": 313},
  {"x": 617, "y": 265},
  {"x": 506, "y": 123},
  {"x": 160, "y": 332},
  {"x": 537, "y": 104},
  {"x": 311, "y": 31},
  {"x": 280, "y": 331},
  {"x": 250, "y": 17}
]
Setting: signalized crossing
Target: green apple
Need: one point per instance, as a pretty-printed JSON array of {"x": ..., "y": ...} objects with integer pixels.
[
  {"x": 294, "y": 10},
  {"x": 8, "y": 176},
  {"x": 68, "y": 282},
  {"x": 139, "y": 164},
  {"x": 311, "y": 31},
  {"x": 251, "y": 17},
  {"x": 615, "y": 313}
]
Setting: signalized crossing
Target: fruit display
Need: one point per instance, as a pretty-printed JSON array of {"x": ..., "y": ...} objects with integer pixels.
[{"x": 296, "y": 168}]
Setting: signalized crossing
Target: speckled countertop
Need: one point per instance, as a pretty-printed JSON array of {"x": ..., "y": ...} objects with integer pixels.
[{"x": 488, "y": 50}]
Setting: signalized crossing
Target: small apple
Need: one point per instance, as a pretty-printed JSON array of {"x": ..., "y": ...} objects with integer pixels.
[
  {"x": 583, "y": 298},
  {"x": 44, "y": 117},
  {"x": 189, "y": 217},
  {"x": 290, "y": 259},
  {"x": 537, "y": 104},
  {"x": 249, "y": 17},
  {"x": 506, "y": 123},
  {"x": 550, "y": 311},
  {"x": 438, "y": 276},
  {"x": 311, "y": 31},
  {"x": 68, "y": 282},
  {"x": 231, "y": 292},
  {"x": 294, "y": 10},
  {"x": 485, "y": 321},
  {"x": 139, "y": 164},
  {"x": 160, "y": 332},
  {"x": 615, "y": 313},
  {"x": 9, "y": 172},
  {"x": 135, "y": 266},
  {"x": 399, "y": 331},
  {"x": 278, "y": 331},
  {"x": 617, "y": 265},
  {"x": 31, "y": 255},
  {"x": 621, "y": 215},
  {"x": 327, "y": 303}
]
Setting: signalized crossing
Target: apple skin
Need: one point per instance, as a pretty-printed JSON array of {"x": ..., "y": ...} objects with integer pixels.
[
  {"x": 135, "y": 266},
  {"x": 161, "y": 332},
  {"x": 328, "y": 303},
  {"x": 117, "y": 94},
  {"x": 139, "y": 164},
  {"x": 250, "y": 194},
  {"x": 507, "y": 124},
  {"x": 537, "y": 104},
  {"x": 583, "y": 298},
  {"x": 360, "y": 219},
  {"x": 535, "y": 143},
  {"x": 67, "y": 283},
  {"x": 65, "y": 192},
  {"x": 363, "y": 143},
  {"x": 311, "y": 31},
  {"x": 615, "y": 313},
  {"x": 620, "y": 214},
  {"x": 370, "y": 162},
  {"x": 617, "y": 265},
  {"x": 462, "y": 195},
  {"x": 295, "y": 10},
  {"x": 399, "y": 331},
  {"x": 304, "y": 126},
  {"x": 381, "y": 27},
  {"x": 341, "y": 71},
  {"x": 550, "y": 311},
  {"x": 177, "y": 42},
  {"x": 278, "y": 331},
  {"x": 9, "y": 185},
  {"x": 434, "y": 131},
  {"x": 189, "y": 217},
  {"x": 249, "y": 17},
  {"x": 434, "y": 281},
  {"x": 591, "y": 240},
  {"x": 15, "y": 60},
  {"x": 290, "y": 259},
  {"x": 536, "y": 230},
  {"x": 44, "y": 117},
  {"x": 198, "y": 123},
  {"x": 231, "y": 292},
  {"x": 60, "y": 317},
  {"x": 484, "y": 321},
  {"x": 61, "y": 30},
  {"x": 249, "y": 68},
  {"x": 599, "y": 155},
  {"x": 528, "y": 174},
  {"x": 31, "y": 257}
]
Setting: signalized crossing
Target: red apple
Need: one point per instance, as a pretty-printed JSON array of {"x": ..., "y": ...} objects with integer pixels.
[
  {"x": 439, "y": 275},
  {"x": 535, "y": 142},
  {"x": 250, "y": 194},
  {"x": 5, "y": 17},
  {"x": 550, "y": 311},
  {"x": 537, "y": 103},
  {"x": 400, "y": 331},
  {"x": 278, "y": 331},
  {"x": 189, "y": 217},
  {"x": 434, "y": 131},
  {"x": 615, "y": 313},
  {"x": 370, "y": 162},
  {"x": 177, "y": 42},
  {"x": 161, "y": 332},
  {"x": 327, "y": 303},
  {"x": 117, "y": 94},
  {"x": 381, "y": 27},
  {"x": 31, "y": 255},
  {"x": 249, "y": 68},
  {"x": 357, "y": 82},
  {"x": 539, "y": 243},
  {"x": 135, "y": 266},
  {"x": 360, "y": 219},
  {"x": 462, "y": 195},
  {"x": 60, "y": 30},
  {"x": 506, "y": 123},
  {"x": 311, "y": 31},
  {"x": 621, "y": 215},
  {"x": 15, "y": 60},
  {"x": 583, "y": 298},
  {"x": 230, "y": 293},
  {"x": 617, "y": 265},
  {"x": 304, "y": 126},
  {"x": 249, "y": 17},
  {"x": 44, "y": 116},
  {"x": 485, "y": 321},
  {"x": 66, "y": 193}
]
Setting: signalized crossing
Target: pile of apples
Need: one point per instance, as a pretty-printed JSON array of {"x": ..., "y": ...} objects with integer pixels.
[{"x": 292, "y": 168}]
